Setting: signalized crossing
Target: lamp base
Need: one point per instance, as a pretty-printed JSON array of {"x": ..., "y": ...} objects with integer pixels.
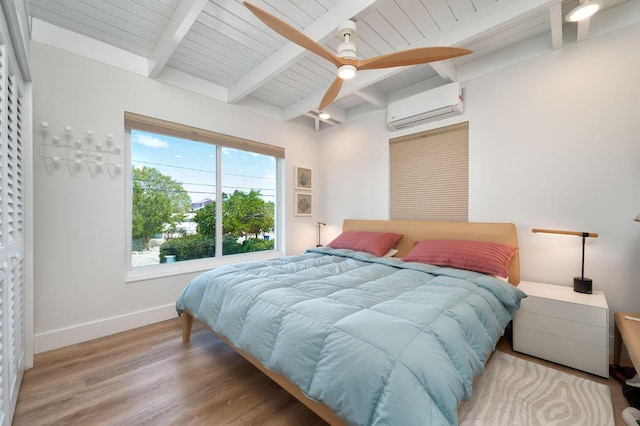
[{"x": 582, "y": 285}]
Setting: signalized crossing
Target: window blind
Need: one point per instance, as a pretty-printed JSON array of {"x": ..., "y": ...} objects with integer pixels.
[
  {"x": 429, "y": 175},
  {"x": 169, "y": 128}
]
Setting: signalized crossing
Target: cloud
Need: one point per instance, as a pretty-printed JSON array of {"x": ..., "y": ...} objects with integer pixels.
[
  {"x": 150, "y": 141},
  {"x": 237, "y": 152}
]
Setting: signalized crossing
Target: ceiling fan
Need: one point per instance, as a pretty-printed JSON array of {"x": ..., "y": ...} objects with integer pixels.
[{"x": 346, "y": 58}]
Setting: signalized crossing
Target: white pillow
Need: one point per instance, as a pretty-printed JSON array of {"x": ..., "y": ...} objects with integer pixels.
[{"x": 391, "y": 253}]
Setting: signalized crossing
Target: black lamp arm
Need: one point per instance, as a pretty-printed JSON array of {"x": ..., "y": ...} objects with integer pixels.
[
  {"x": 584, "y": 237},
  {"x": 320, "y": 224}
]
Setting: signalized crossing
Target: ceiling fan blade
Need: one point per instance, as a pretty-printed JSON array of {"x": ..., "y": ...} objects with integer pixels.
[
  {"x": 417, "y": 56},
  {"x": 288, "y": 32},
  {"x": 332, "y": 93}
]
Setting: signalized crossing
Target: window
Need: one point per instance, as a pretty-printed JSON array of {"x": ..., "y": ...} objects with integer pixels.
[
  {"x": 429, "y": 174},
  {"x": 197, "y": 194}
]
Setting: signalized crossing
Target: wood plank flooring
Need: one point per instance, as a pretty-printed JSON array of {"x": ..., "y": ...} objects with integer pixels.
[{"x": 149, "y": 376}]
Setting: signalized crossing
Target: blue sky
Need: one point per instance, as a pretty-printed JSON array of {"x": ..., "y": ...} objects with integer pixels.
[{"x": 193, "y": 164}]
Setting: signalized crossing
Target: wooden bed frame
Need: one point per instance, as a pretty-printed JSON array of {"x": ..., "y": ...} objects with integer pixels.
[{"x": 412, "y": 231}]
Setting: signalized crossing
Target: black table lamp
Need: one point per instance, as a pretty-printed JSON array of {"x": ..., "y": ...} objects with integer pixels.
[
  {"x": 320, "y": 225},
  {"x": 580, "y": 284}
]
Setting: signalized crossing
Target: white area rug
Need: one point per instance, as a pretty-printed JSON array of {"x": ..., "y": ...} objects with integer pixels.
[{"x": 516, "y": 392}]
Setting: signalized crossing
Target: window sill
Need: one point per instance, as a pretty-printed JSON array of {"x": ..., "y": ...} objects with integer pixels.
[{"x": 145, "y": 273}]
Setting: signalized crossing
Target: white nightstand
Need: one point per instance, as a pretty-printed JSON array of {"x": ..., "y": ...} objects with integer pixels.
[{"x": 557, "y": 324}]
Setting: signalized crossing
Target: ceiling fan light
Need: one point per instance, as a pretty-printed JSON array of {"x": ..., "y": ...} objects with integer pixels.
[
  {"x": 346, "y": 72},
  {"x": 583, "y": 11},
  {"x": 324, "y": 115}
]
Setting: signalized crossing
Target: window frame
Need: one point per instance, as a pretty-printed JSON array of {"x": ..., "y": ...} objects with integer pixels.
[{"x": 152, "y": 125}]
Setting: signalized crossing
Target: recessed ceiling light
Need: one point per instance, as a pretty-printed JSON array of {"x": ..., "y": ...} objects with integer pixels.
[
  {"x": 583, "y": 11},
  {"x": 324, "y": 115}
]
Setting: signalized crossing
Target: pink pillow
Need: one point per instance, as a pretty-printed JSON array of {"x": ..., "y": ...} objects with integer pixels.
[
  {"x": 376, "y": 243},
  {"x": 479, "y": 256}
]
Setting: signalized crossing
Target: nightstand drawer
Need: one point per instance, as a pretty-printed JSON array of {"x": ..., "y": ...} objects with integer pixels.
[
  {"x": 581, "y": 332},
  {"x": 564, "y": 310},
  {"x": 557, "y": 324},
  {"x": 572, "y": 353}
]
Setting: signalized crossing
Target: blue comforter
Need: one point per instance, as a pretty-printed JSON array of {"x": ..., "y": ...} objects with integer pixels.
[{"x": 377, "y": 340}]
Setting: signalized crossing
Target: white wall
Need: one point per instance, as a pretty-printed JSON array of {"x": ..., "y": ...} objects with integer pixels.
[
  {"x": 79, "y": 221},
  {"x": 553, "y": 143}
]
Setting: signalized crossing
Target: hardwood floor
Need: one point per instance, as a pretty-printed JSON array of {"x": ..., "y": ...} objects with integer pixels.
[{"x": 149, "y": 376}]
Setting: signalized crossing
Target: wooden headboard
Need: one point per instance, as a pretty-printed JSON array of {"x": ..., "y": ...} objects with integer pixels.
[{"x": 416, "y": 230}]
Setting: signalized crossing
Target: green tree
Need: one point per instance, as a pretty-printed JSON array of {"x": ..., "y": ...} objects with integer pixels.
[
  {"x": 246, "y": 214},
  {"x": 205, "y": 219},
  {"x": 157, "y": 201},
  {"x": 243, "y": 214}
]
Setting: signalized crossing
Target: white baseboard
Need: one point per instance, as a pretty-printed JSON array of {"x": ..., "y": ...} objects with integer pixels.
[{"x": 92, "y": 330}]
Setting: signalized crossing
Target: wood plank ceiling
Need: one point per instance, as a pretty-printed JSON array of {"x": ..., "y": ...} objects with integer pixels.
[{"x": 222, "y": 43}]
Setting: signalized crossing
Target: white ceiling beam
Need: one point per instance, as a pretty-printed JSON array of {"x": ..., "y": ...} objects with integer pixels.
[
  {"x": 361, "y": 82},
  {"x": 180, "y": 23},
  {"x": 290, "y": 52},
  {"x": 317, "y": 121},
  {"x": 372, "y": 95},
  {"x": 583, "y": 29},
  {"x": 446, "y": 70},
  {"x": 486, "y": 19},
  {"x": 555, "y": 15},
  {"x": 337, "y": 114},
  {"x": 78, "y": 44},
  {"x": 193, "y": 83}
]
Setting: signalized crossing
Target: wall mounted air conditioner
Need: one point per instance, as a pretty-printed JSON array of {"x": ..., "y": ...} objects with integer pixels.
[{"x": 435, "y": 104}]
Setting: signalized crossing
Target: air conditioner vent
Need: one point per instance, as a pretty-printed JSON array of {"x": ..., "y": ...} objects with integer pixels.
[{"x": 436, "y": 104}]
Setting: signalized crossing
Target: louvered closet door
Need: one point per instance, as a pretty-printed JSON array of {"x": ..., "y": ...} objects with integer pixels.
[
  {"x": 4, "y": 366},
  {"x": 12, "y": 237}
]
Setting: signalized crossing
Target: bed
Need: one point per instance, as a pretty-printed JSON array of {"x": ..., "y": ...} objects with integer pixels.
[{"x": 362, "y": 338}]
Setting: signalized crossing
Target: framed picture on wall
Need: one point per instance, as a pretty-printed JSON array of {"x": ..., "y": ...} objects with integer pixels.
[
  {"x": 303, "y": 178},
  {"x": 303, "y": 204}
]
